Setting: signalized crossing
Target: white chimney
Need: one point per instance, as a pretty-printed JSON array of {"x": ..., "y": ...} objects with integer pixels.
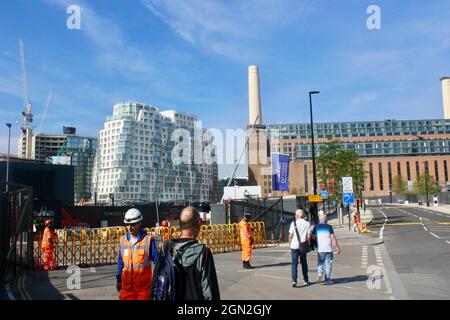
[
  {"x": 254, "y": 98},
  {"x": 446, "y": 96}
]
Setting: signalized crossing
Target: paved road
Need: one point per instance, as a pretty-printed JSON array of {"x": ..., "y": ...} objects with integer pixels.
[
  {"x": 418, "y": 243},
  {"x": 269, "y": 280},
  {"x": 411, "y": 263}
]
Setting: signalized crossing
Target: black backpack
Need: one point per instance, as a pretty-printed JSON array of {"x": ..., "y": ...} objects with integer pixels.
[{"x": 169, "y": 275}]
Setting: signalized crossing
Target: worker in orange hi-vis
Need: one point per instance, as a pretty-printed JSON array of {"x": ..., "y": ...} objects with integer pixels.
[
  {"x": 165, "y": 231},
  {"x": 136, "y": 252},
  {"x": 246, "y": 234},
  {"x": 48, "y": 245}
]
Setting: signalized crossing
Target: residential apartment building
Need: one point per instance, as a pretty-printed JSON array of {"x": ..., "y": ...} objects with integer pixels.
[{"x": 134, "y": 161}]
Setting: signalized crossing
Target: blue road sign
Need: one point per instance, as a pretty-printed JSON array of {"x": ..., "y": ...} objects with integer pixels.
[
  {"x": 348, "y": 198},
  {"x": 324, "y": 194}
]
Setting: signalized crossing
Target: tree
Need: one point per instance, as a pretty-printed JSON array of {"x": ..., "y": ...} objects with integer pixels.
[
  {"x": 399, "y": 185},
  {"x": 426, "y": 184},
  {"x": 334, "y": 163}
]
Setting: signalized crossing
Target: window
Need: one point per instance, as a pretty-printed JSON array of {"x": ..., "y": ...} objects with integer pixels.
[
  {"x": 417, "y": 170},
  {"x": 436, "y": 170},
  {"x": 399, "y": 170},
  {"x": 445, "y": 170},
  {"x": 390, "y": 175},
  {"x": 408, "y": 171},
  {"x": 380, "y": 172},
  {"x": 371, "y": 176}
]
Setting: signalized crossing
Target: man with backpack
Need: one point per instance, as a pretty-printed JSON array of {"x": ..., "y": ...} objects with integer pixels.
[
  {"x": 137, "y": 250},
  {"x": 185, "y": 269}
]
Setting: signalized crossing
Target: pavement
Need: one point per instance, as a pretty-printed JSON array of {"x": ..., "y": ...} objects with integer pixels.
[{"x": 402, "y": 261}]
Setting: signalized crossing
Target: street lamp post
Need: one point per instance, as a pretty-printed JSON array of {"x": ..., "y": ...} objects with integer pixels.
[
  {"x": 7, "y": 159},
  {"x": 314, "y": 207}
]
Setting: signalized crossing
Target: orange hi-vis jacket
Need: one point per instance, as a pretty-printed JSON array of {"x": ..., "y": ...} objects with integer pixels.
[
  {"x": 245, "y": 232},
  {"x": 137, "y": 264},
  {"x": 48, "y": 239},
  {"x": 246, "y": 240}
]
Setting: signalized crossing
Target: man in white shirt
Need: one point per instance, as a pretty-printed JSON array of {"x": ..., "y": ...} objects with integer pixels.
[{"x": 296, "y": 249}]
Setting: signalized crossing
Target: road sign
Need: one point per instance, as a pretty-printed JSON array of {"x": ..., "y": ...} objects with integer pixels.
[
  {"x": 348, "y": 198},
  {"x": 315, "y": 198},
  {"x": 347, "y": 184},
  {"x": 324, "y": 194}
]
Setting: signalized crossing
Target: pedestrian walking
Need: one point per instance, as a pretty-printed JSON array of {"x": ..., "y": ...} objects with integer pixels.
[
  {"x": 246, "y": 234},
  {"x": 199, "y": 278},
  {"x": 48, "y": 245},
  {"x": 299, "y": 244},
  {"x": 137, "y": 250},
  {"x": 325, "y": 238}
]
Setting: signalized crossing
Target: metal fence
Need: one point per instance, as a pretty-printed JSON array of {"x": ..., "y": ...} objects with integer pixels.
[
  {"x": 16, "y": 206},
  {"x": 276, "y": 213},
  {"x": 100, "y": 246}
]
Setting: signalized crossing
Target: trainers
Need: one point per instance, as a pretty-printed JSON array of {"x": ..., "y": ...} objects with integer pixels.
[
  {"x": 306, "y": 283},
  {"x": 319, "y": 278},
  {"x": 330, "y": 282},
  {"x": 294, "y": 284}
]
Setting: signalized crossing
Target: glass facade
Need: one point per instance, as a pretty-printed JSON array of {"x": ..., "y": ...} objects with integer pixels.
[
  {"x": 378, "y": 142},
  {"x": 382, "y": 148},
  {"x": 362, "y": 129},
  {"x": 81, "y": 151}
]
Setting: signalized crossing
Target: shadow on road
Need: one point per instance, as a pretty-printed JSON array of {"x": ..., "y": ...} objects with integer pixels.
[
  {"x": 351, "y": 279},
  {"x": 282, "y": 264}
]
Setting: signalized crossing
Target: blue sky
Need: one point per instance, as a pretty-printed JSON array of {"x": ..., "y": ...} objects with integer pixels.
[{"x": 193, "y": 56}]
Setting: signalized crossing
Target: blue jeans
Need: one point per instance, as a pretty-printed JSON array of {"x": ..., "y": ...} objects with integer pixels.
[
  {"x": 325, "y": 261},
  {"x": 295, "y": 253}
]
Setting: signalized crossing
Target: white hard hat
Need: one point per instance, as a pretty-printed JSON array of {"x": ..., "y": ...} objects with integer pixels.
[{"x": 132, "y": 216}]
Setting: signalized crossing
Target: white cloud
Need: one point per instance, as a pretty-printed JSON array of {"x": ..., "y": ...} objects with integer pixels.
[
  {"x": 114, "y": 51},
  {"x": 235, "y": 29}
]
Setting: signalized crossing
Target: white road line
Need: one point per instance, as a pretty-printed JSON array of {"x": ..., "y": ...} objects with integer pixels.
[
  {"x": 425, "y": 228},
  {"x": 434, "y": 235},
  {"x": 381, "y": 234},
  {"x": 381, "y": 265},
  {"x": 273, "y": 277},
  {"x": 426, "y": 219},
  {"x": 448, "y": 242},
  {"x": 10, "y": 294}
]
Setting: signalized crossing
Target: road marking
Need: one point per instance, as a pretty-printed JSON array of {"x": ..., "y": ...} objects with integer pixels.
[
  {"x": 10, "y": 294},
  {"x": 381, "y": 234},
  {"x": 425, "y": 228},
  {"x": 426, "y": 219},
  {"x": 403, "y": 224},
  {"x": 448, "y": 242},
  {"x": 434, "y": 235},
  {"x": 445, "y": 223},
  {"x": 269, "y": 276},
  {"x": 383, "y": 269}
]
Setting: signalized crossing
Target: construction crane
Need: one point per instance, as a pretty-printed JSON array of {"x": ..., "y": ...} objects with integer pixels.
[
  {"x": 27, "y": 115},
  {"x": 44, "y": 115}
]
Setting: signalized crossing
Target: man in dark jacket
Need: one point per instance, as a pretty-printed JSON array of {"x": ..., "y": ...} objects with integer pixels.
[{"x": 196, "y": 259}]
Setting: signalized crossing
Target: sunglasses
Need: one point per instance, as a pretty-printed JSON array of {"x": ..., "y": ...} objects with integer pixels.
[{"x": 131, "y": 224}]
